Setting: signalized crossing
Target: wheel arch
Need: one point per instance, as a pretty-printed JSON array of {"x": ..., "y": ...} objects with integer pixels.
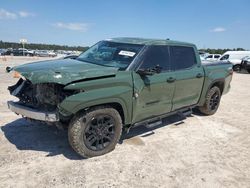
[
  {"x": 220, "y": 83},
  {"x": 117, "y": 106}
]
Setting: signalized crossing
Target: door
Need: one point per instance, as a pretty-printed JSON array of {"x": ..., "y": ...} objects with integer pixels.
[
  {"x": 189, "y": 76},
  {"x": 153, "y": 94}
]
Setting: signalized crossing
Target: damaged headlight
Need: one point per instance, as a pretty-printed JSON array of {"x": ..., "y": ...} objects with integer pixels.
[{"x": 18, "y": 75}]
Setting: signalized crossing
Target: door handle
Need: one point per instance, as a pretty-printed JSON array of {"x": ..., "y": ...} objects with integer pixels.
[
  {"x": 171, "y": 80},
  {"x": 199, "y": 75}
]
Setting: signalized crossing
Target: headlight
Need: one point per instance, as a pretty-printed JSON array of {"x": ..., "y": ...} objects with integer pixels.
[{"x": 18, "y": 75}]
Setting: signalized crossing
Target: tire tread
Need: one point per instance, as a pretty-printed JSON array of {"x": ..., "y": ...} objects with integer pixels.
[
  {"x": 76, "y": 126},
  {"x": 205, "y": 109}
]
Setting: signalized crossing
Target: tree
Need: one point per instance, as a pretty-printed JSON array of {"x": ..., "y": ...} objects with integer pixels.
[
  {"x": 220, "y": 51},
  {"x": 34, "y": 46}
]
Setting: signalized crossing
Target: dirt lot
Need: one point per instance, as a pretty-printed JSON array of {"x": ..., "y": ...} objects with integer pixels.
[{"x": 198, "y": 151}]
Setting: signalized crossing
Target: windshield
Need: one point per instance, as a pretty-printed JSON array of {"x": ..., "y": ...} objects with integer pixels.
[{"x": 112, "y": 54}]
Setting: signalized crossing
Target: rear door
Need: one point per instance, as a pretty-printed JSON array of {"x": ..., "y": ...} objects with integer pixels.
[
  {"x": 189, "y": 76},
  {"x": 153, "y": 94}
]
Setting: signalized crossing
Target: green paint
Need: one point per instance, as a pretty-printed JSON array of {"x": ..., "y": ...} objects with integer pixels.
[{"x": 140, "y": 97}]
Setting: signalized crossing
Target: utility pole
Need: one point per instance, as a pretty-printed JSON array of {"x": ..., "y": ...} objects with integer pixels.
[{"x": 23, "y": 41}]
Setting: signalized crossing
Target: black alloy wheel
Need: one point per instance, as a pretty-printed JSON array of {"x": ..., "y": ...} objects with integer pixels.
[
  {"x": 214, "y": 100},
  {"x": 99, "y": 132},
  {"x": 95, "y": 131}
]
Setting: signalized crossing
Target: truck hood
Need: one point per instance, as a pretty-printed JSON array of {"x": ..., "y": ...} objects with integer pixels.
[{"x": 63, "y": 71}]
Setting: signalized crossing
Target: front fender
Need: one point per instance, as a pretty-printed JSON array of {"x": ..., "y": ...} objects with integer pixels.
[{"x": 121, "y": 95}]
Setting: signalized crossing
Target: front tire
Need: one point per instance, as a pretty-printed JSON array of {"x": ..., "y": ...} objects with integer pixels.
[
  {"x": 212, "y": 102},
  {"x": 95, "y": 132}
]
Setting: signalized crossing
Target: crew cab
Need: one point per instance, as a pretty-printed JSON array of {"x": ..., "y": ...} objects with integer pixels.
[{"x": 117, "y": 84}]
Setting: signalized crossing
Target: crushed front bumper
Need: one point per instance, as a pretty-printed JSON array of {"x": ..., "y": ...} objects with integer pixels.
[{"x": 32, "y": 113}]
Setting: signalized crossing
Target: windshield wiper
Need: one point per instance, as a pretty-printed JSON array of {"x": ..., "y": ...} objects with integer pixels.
[
  {"x": 87, "y": 61},
  {"x": 83, "y": 60}
]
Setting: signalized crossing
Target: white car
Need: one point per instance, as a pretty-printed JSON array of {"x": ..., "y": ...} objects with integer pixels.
[
  {"x": 45, "y": 53},
  {"x": 212, "y": 57},
  {"x": 26, "y": 50},
  {"x": 52, "y": 54}
]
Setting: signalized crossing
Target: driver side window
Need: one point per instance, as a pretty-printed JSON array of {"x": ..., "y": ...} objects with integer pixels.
[
  {"x": 156, "y": 56},
  {"x": 225, "y": 57}
]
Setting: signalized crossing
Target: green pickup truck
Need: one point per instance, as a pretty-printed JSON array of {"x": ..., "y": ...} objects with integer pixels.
[{"x": 117, "y": 84}]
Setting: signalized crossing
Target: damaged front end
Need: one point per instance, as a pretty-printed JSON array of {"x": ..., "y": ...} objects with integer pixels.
[
  {"x": 38, "y": 101},
  {"x": 40, "y": 89}
]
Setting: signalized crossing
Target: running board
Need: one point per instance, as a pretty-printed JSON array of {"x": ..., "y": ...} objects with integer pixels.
[
  {"x": 186, "y": 112},
  {"x": 153, "y": 124},
  {"x": 155, "y": 121}
]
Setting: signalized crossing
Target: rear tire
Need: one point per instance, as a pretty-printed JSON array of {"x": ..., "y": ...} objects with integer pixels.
[
  {"x": 212, "y": 101},
  {"x": 95, "y": 132},
  {"x": 237, "y": 68},
  {"x": 248, "y": 70}
]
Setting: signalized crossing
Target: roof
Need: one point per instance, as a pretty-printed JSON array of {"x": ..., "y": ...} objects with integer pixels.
[
  {"x": 144, "y": 41},
  {"x": 238, "y": 52}
]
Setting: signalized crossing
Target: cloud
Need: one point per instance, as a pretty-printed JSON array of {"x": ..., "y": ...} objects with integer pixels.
[
  {"x": 6, "y": 15},
  {"x": 72, "y": 26},
  {"x": 24, "y": 14},
  {"x": 218, "y": 30}
]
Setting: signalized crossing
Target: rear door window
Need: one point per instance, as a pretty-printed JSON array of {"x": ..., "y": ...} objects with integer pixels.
[{"x": 182, "y": 57}]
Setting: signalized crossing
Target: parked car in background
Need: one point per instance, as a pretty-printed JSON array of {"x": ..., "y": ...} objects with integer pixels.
[
  {"x": 18, "y": 52},
  {"x": 235, "y": 57},
  {"x": 26, "y": 50},
  {"x": 52, "y": 54},
  {"x": 45, "y": 53},
  {"x": 212, "y": 57},
  {"x": 2, "y": 51},
  {"x": 245, "y": 63},
  {"x": 203, "y": 55}
]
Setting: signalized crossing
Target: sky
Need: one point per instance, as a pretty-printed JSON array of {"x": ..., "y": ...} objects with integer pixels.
[{"x": 206, "y": 23}]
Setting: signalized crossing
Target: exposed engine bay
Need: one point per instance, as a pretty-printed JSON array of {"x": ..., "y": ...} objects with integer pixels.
[{"x": 44, "y": 96}]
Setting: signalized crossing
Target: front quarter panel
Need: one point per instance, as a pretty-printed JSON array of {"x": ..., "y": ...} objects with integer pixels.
[{"x": 118, "y": 89}]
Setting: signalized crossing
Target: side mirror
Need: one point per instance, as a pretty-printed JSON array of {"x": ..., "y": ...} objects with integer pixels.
[
  {"x": 8, "y": 69},
  {"x": 149, "y": 72},
  {"x": 157, "y": 69},
  {"x": 145, "y": 72}
]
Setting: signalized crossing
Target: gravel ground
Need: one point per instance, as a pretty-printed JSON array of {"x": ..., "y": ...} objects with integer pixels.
[{"x": 198, "y": 151}]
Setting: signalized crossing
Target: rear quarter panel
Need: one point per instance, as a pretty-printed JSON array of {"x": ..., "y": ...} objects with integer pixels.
[{"x": 216, "y": 72}]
